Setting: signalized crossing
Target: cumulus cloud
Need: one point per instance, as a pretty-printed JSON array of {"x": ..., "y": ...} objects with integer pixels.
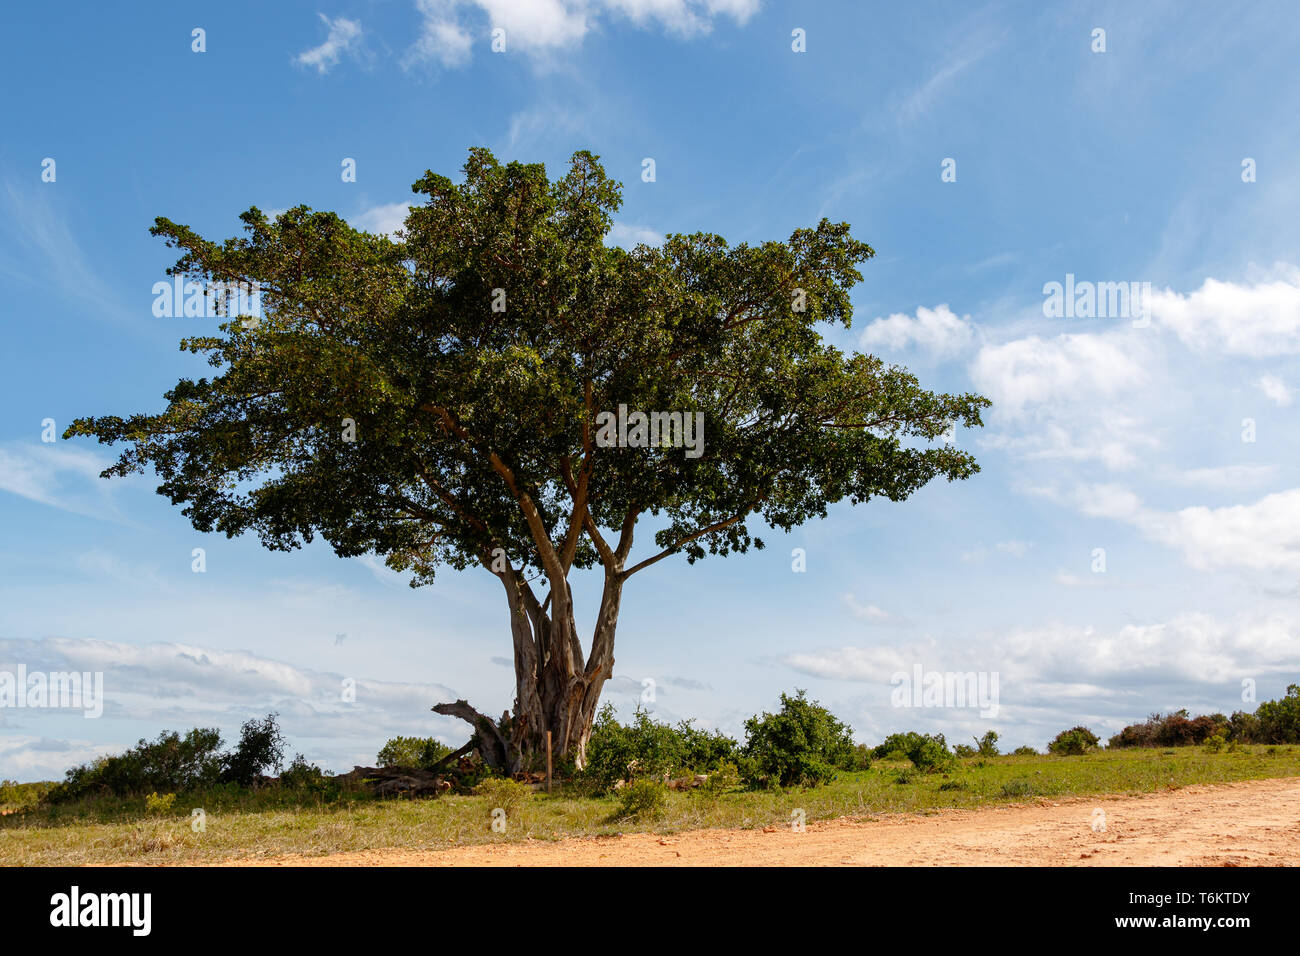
[
  {"x": 344, "y": 36},
  {"x": 938, "y": 331},
  {"x": 1033, "y": 371},
  {"x": 1258, "y": 320},
  {"x": 382, "y": 220},
  {"x": 1263, "y": 535}
]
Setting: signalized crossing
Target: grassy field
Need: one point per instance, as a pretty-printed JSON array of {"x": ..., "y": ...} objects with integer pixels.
[{"x": 273, "y": 823}]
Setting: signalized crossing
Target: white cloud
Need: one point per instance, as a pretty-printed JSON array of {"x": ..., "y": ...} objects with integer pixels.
[
  {"x": 1032, "y": 371},
  {"x": 621, "y": 234},
  {"x": 866, "y": 612},
  {"x": 1257, "y": 320},
  {"x": 1263, "y": 536},
  {"x": 936, "y": 330},
  {"x": 60, "y": 476},
  {"x": 382, "y": 220},
  {"x": 542, "y": 27},
  {"x": 344, "y": 36},
  {"x": 1227, "y": 477},
  {"x": 1275, "y": 390}
]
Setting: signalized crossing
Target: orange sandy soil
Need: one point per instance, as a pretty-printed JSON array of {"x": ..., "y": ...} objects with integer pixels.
[{"x": 1253, "y": 823}]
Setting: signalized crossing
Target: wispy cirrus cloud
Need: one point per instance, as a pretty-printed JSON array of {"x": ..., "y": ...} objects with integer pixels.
[{"x": 344, "y": 37}]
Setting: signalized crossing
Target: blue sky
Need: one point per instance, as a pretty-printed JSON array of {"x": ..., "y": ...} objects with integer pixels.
[{"x": 1117, "y": 166}]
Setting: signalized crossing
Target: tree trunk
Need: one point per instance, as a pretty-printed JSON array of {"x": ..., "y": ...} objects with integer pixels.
[{"x": 555, "y": 689}]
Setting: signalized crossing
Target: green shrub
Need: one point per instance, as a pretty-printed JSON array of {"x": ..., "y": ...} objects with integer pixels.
[
  {"x": 1019, "y": 788},
  {"x": 1073, "y": 742},
  {"x": 801, "y": 745},
  {"x": 1024, "y": 752},
  {"x": 1279, "y": 720},
  {"x": 171, "y": 763},
  {"x": 987, "y": 746},
  {"x": 641, "y": 798},
  {"x": 648, "y": 749},
  {"x": 1214, "y": 744},
  {"x": 419, "y": 752},
  {"x": 964, "y": 750},
  {"x": 301, "y": 775},
  {"x": 896, "y": 746},
  {"x": 23, "y": 796},
  {"x": 260, "y": 749},
  {"x": 160, "y": 805}
]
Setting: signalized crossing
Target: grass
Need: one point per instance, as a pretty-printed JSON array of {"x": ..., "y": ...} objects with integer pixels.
[{"x": 273, "y": 823}]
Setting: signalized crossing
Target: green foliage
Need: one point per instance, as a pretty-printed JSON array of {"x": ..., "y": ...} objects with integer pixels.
[
  {"x": 1279, "y": 720},
  {"x": 177, "y": 764},
  {"x": 648, "y": 749},
  {"x": 964, "y": 750},
  {"x": 803, "y": 744},
  {"x": 1073, "y": 742},
  {"x": 23, "y": 796},
  {"x": 987, "y": 746},
  {"x": 641, "y": 799},
  {"x": 927, "y": 752},
  {"x": 1025, "y": 751},
  {"x": 897, "y": 746},
  {"x": 260, "y": 750},
  {"x": 159, "y": 804},
  {"x": 1214, "y": 744},
  {"x": 171, "y": 764},
  {"x": 301, "y": 775},
  {"x": 473, "y": 357},
  {"x": 418, "y": 752}
]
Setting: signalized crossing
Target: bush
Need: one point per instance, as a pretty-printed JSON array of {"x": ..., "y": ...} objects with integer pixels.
[
  {"x": 160, "y": 805},
  {"x": 171, "y": 764},
  {"x": 1073, "y": 742},
  {"x": 23, "y": 796},
  {"x": 964, "y": 750},
  {"x": 1024, "y": 752},
  {"x": 987, "y": 746},
  {"x": 419, "y": 752},
  {"x": 804, "y": 744},
  {"x": 301, "y": 775},
  {"x": 641, "y": 798},
  {"x": 1019, "y": 788},
  {"x": 896, "y": 746},
  {"x": 648, "y": 749},
  {"x": 260, "y": 749},
  {"x": 1214, "y": 744},
  {"x": 1279, "y": 720}
]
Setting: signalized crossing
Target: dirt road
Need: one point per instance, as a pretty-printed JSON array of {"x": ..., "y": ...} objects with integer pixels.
[{"x": 1255, "y": 823}]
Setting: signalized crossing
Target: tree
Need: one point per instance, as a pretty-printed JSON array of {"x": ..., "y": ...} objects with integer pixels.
[{"x": 456, "y": 396}]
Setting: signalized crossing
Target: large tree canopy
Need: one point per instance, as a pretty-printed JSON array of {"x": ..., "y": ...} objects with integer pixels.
[{"x": 437, "y": 398}]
